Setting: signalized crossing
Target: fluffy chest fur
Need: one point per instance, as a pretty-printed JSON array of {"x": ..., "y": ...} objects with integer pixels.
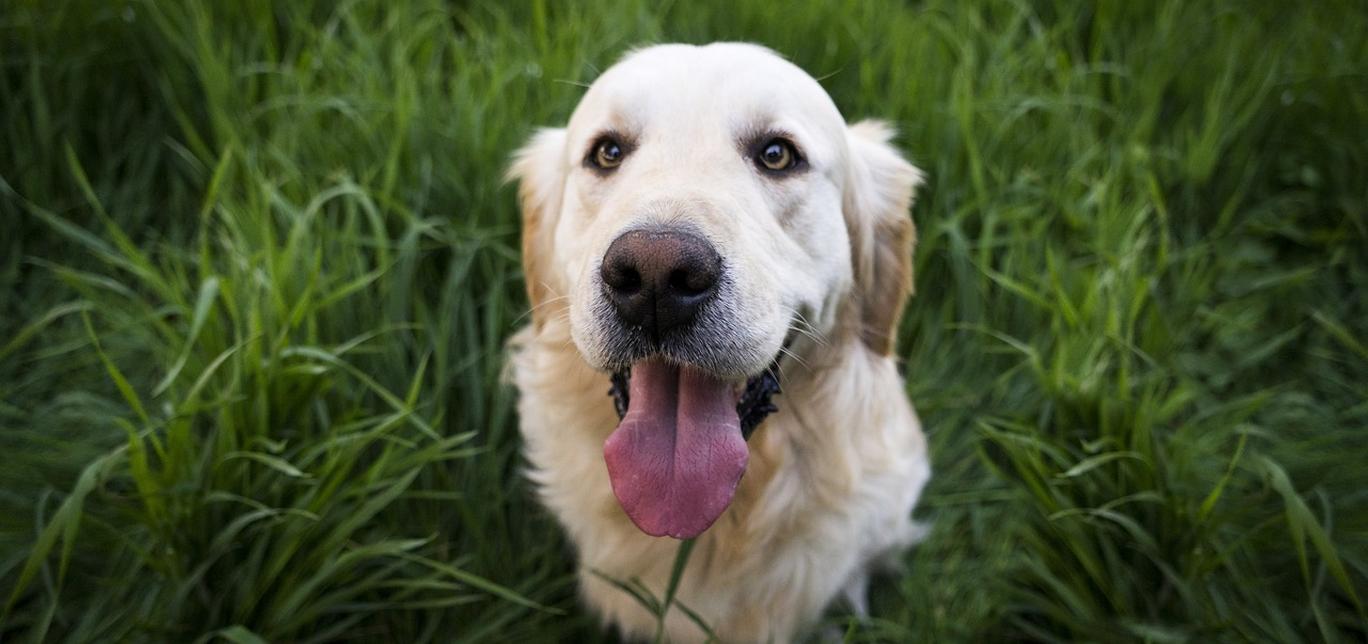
[{"x": 828, "y": 495}]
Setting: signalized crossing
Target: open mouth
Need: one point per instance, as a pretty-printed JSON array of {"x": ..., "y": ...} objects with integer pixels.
[{"x": 679, "y": 451}]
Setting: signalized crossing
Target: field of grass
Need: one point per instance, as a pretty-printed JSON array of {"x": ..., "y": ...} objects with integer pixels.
[{"x": 257, "y": 266}]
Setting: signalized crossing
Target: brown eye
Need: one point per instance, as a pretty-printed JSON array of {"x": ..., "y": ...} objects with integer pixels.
[
  {"x": 607, "y": 154},
  {"x": 777, "y": 155}
]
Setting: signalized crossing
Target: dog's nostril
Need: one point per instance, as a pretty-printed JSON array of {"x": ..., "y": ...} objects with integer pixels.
[
  {"x": 631, "y": 281},
  {"x": 627, "y": 281},
  {"x": 687, "y": 282},
  {"x": 622, "y": 278},
  {"x": 679, "y": 281}
]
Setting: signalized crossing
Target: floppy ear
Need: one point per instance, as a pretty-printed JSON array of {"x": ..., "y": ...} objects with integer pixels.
[
  {"x": 539, "y": 169},
  {"x": 879, "y": 192}
]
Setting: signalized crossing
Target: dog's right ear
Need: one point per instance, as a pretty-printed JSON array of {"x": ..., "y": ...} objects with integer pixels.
[
  {"x": 539, "y": 168},
  {"x": 879, "y": 192}
]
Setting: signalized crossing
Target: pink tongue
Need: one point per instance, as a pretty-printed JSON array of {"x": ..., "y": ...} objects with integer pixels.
[{"x": 677, "y": 455}]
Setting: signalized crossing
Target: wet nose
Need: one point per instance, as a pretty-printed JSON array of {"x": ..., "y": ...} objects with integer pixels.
[{"x": 658, "y": 280}]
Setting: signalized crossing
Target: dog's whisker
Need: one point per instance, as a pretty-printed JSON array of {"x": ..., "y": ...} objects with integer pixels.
[
  {"x": 799, "y": 324},
  {"x": 815, "y": 337},
  {"x": 812, "y": 333},
  {"x": 796, "y": 358},
  {"x": 829, "y": 74},
  {"x": 536, "y": 307},
  {"x": 550, "y": 301}
]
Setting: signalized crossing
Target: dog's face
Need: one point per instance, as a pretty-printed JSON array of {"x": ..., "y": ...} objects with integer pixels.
[
  {"x": 738, "y": 153},
  {"x": 702, "y": 204}
]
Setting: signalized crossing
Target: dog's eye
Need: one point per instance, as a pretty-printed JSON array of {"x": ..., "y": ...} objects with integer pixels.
[
  {"x": 777, "y": 155},
  {"x": 608, "y": 154}
]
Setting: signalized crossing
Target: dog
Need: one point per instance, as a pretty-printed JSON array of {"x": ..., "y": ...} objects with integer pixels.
[{"x": 710, "y": 242}]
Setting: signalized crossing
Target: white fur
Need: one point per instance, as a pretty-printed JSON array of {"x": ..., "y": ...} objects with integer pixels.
[{"x": 834, "y": 475}]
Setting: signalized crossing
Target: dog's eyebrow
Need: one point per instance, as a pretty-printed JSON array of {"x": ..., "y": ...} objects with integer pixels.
[
  {"x": 618, "y": 125},
  {"x": 622, "y": 136},
  {"x": 756, "y": 127},
  {"x": 759, "y": 129},
  {"x": 621, "y": 121}
]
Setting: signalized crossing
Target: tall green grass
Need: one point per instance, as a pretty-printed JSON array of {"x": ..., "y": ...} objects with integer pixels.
[{"x": 258, "y": 266}]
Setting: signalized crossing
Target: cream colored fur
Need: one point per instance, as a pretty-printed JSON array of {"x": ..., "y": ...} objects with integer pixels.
[{"x": 834, "y": 475}]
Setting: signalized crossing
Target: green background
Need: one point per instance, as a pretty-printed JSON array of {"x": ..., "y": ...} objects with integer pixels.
[{"x": 257, "y": 264}]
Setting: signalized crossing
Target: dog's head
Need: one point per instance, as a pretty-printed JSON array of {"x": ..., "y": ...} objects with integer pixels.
[{"x": 703, "y": 204}]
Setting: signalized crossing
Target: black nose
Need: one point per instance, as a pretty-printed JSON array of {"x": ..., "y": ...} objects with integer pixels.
[{"x": 658, "y": 280}]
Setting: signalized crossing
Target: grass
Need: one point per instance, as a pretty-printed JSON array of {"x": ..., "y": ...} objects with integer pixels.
[{"x": 258, "y": 266}]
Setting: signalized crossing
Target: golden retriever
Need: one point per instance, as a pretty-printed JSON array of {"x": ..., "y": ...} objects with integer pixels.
[{"x": 705, "y": 228}]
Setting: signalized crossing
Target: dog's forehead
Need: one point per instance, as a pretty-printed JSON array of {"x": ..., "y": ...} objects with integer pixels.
[{"x": 736, "y": 83}]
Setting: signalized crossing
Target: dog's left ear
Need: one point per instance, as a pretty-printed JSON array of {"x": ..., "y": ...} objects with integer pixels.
[
  {"x": 879, "y": 192},
  {"x": 539, "y": 169}
]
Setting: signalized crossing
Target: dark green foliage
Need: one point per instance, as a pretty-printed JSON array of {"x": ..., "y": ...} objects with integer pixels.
[{"x": 258, "y": 264}]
